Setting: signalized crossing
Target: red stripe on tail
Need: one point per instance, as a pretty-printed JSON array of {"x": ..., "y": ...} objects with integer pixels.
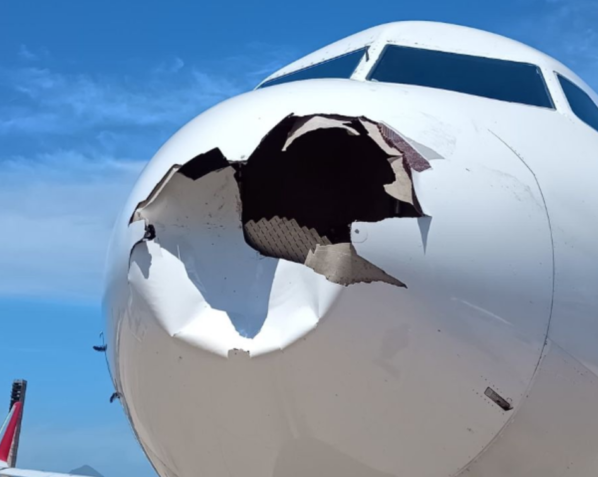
[{"x": 9, "y": 434}]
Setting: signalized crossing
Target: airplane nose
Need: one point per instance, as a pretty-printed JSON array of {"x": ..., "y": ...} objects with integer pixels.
[
  {"x": 319, "y": 298},
  {"x": 235, "y": 245}
]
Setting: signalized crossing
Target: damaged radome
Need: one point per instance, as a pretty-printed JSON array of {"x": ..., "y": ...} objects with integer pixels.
[{"x": 308, "y": 180}]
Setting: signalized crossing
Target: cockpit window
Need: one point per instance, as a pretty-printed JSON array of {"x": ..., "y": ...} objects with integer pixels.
[
  {"x": 339, "y": 67},
  {"x": 491, "y": 78},
  {"x": 581, "y": 104}
]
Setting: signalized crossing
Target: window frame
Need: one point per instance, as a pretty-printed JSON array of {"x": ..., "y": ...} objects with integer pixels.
[
  {"x": 363, "y": 49},
  {"x": 552, "y": 107}
]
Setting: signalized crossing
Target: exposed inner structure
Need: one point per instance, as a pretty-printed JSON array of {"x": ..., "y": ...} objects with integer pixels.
[
  {"x": 311, "y": 178},
  {"x": 325, "y": 179},
  {"x": 297, "y": 195}
]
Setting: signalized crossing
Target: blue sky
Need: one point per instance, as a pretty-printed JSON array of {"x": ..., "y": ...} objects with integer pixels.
[{"x": 89, "y": 90}]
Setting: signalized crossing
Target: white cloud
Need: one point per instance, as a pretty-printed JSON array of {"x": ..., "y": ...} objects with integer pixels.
[
  {"x": 57, "y": 212},
  {"x": 54, "y": 103},
  {"x": 170, "y": 67},
  {"x": 26, "y": 54},
  {"x": 51, "y": 102},
  {"x": 61, "y": 184}
]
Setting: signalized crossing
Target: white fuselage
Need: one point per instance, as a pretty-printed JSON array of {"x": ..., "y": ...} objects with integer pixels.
[{"x": 371, "y": 379}]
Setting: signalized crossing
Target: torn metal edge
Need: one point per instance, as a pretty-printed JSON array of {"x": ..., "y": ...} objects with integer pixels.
[
  {"x": 410, "y": 159},
  {"x": 338, "y": 262},
  {"x": 415, "y": 160},
  {"x": 194, "y": 169},
  {"x": 135, "y": 216}
]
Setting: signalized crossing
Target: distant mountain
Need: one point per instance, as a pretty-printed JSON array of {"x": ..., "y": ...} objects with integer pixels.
[{"x": 86, "y": 470}]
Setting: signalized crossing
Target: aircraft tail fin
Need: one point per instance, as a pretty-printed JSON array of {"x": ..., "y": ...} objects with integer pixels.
[
  {"x": 9, "y": 437},
  {"x": 11, "y": 429}
]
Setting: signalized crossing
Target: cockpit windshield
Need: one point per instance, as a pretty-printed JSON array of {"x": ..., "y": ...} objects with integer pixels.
[
  {"x": 487, "y": 77},
  {"x": 339, "y": 67},
  {"x": 581, "y": 104}
]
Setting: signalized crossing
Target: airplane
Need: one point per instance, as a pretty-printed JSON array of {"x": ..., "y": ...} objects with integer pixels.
[
  {"x": 380, "y": 262},
  {"x": 10, "y": 434}
]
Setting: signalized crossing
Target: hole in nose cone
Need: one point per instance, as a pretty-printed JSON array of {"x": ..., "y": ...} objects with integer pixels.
[
  {"x": 326, "y": 179},
  {"x": 248, "y": 325},
  {"x": 199, "y": 252},
  {"x": 295, "y": 198},
  {"x": 311, "y": 178}
]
